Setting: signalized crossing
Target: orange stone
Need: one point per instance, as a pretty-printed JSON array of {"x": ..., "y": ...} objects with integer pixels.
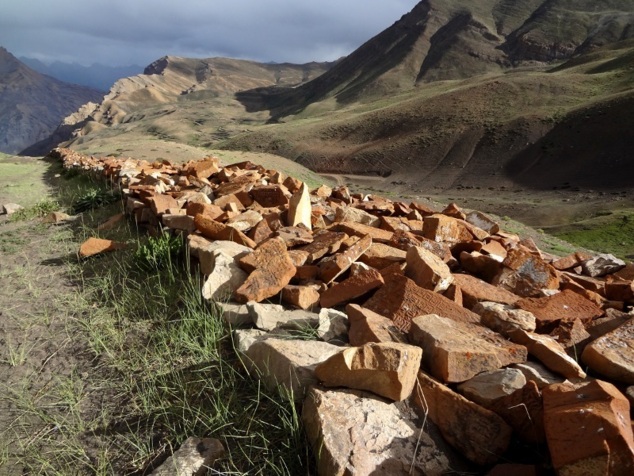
[
  {"x": 355, "y": 286},
  {"x": 401, "y": 300},
  {"x": 95, "y": 246},
  {"x": 271, "y": 270},
  {"x": 333, "y": 266}
]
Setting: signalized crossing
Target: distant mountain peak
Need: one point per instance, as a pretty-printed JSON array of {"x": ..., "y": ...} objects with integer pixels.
[{"x": 32, "y": 104}]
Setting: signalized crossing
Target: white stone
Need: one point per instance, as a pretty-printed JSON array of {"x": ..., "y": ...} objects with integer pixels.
[
  {"x": 194, "y": 456},
  {"x": 224, "y": 279},
  {"x": 487, "y": 387}
]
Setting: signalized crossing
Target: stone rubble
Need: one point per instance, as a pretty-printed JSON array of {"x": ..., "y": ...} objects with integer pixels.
[{"x": 351, "y": 290}]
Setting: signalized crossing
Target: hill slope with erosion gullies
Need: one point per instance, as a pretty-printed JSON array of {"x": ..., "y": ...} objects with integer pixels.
[
  {"x": 457, "y": 39},
  {"x": 568, "y": 126},
  {"x": 182, "y": 99},
  {"x": 456, "y": 96},
  {"x": 32, "y": 104}
]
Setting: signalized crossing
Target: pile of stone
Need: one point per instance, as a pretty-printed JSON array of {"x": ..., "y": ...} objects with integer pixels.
[{"x": 420, "y": 342}]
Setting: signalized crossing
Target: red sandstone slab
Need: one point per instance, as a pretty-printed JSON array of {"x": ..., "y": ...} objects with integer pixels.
[
  {"x": 475, "y": 290},
  {"x": 564, "y": 306},
  {"x": 351, "y": 288},
  {"x": 401, "y": 300}
]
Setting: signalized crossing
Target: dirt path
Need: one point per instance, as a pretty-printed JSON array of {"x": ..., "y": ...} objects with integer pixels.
[{"x": 39, "y": 357}]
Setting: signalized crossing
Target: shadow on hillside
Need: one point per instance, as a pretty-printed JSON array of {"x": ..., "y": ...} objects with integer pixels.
[{"x": 582, "y": 150}]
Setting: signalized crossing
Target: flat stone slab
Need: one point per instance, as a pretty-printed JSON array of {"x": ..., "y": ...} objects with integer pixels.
[
  {"x": 475, "y": 290},
  {"x": 457, "y": 351},
  {"x": 96, "y": 246},
  {"x": 549, "y": 352},
  {"x": 194, "y": 456},
  {"x": 588, "y": 429},
  {"x": 564, "y": 306},
  {"x": 401, "y": 300}
]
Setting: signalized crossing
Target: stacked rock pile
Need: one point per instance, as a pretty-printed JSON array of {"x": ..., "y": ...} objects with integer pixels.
[{"x": 420, "y": 342}]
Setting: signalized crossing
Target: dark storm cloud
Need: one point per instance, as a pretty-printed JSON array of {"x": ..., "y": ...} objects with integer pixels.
[{"x": 121, "y": 32}]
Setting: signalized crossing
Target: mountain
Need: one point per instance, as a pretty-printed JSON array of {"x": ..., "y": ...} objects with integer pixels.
[
  {"x": 32, "y": 105},
  {"x": 181, "y": 99},
  {"x": 458, "y": 39},
  {"x": 456, "y": 95},
  {"x": 96, "y": 76}
]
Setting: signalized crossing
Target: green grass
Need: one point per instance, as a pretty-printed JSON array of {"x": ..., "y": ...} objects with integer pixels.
[
  {"x": 39, "y": 210},
  {"x": 609, "y": 234},
  {"x": 160, "y": 367}
]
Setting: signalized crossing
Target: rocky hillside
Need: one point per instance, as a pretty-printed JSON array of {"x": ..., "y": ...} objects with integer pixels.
[{"x": 32, "y": 105}]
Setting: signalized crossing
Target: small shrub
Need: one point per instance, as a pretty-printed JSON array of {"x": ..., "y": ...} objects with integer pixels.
[
  {"x": 94, "y": 198},
  {"x": 40, "y": 209},
  {"x": 159, "y": 252}
]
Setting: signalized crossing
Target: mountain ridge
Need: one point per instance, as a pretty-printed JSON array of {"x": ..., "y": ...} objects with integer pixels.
[
  {"x": 32, "y": 105},
  {"x": 455, "y": 94}
]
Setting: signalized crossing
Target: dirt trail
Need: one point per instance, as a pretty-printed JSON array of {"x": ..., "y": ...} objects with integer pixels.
[{"x": 39, "y": 354}]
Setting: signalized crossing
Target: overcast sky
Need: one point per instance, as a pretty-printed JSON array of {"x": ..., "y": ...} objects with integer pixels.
[{"x": 122, "y": 32}]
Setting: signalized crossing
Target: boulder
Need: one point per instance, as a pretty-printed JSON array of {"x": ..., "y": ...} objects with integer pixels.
[
  {"x": 523, "y": 410},
  {"x": 602, "y": 264},
  {"x": 387, "y": 369},
  {"x": 445, "y": 229},
  {"x": 487, "y": 387},
  {"x": 288, "y": 363},
  {"x": 179, "y": 222},
  {"x": 479, "y": 434},
  {"x": 483, "y": 221},
  {"x": 367, "y": 326},
  {"x": 302, "y": 297},
  {"x": 427, "y": 270},
  {"x": 11, "y": 208},
  {"x": 268, "y": 317},
  {"x": 204, "y": 249},
  {"x": 525, "y": 274},
  {"x": 538, "y": 373},
  {"x": 225, "y": 278},
  {"x": 588, "y": 429},
  {"x": 234, "y": 314},
  {"x": 349, "y": 214},
  {"x": 333, "y": 326},
  {"x": 504, "y": 319},
  {"x": 354, "y": 432},
  {"x": 457, "y": 351},
  {"x": 613, "y": 354}
]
